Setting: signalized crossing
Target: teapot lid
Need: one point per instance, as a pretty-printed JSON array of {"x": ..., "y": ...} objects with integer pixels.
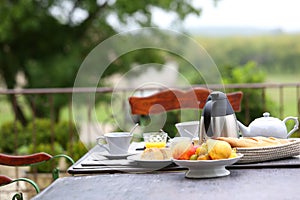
[
  {"x": 222, "y": 107},
  {"x": 216, "y": 95},
  {"x": 266, "y": 114},
  {"x": 266, "y": 122},
  {"x": 266, "y": 118}
]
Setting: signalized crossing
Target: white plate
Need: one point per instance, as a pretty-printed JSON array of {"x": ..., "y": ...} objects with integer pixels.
[
  {"x": 116, "y": 156},
  {"x": 207, "y": 168},
  {"x": 154, "y": 164}
]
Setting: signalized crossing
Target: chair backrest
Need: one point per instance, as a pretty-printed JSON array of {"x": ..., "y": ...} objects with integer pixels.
[
  {"x": 173, "y": 99},
  {"x": 12, "y": 160}
]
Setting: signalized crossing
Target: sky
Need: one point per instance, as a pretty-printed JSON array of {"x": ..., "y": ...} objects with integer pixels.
[{"x": 261, "y": 14}]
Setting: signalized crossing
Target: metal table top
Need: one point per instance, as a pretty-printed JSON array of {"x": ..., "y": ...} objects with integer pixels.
[{"x": 264, "y": 183}]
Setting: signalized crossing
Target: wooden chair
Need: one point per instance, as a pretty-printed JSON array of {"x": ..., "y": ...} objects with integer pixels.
[
  {"x": 173, "y": 99},
  {"x": 28, "y": 160},
  {"x": 143, "y": 108}
]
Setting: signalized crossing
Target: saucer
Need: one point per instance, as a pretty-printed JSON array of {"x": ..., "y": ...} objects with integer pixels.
[{"x": 116, "y": 156}]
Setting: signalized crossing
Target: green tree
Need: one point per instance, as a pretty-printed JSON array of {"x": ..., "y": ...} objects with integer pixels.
[
  {"x": 252, "y": 98},
  {"x": 46, "y": 40}
]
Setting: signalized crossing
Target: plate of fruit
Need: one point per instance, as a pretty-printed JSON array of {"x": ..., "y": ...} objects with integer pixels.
[{"x": 207, "y": 160}]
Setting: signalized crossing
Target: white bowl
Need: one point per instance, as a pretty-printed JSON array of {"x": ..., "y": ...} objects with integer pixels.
[
  {"x": 188, "y": 129},
  {"x": 207, "y": 168}
]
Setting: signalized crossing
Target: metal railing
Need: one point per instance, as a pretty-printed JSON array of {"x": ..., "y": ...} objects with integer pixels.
[{"x": 49, "y": 93}]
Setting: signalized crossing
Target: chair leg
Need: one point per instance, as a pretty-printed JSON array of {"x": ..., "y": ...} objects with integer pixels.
[
  {"x": 55, "y": 171},
  {"x": 18, "y": 196}
]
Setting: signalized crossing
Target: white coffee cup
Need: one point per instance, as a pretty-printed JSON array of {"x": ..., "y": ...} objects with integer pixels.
[{"x": 117, "y": 142}]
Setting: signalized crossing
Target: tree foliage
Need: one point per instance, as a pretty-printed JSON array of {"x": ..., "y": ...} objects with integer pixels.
[
  {"x": 253, "y": 102},
  {"x": 46, "y": 40}
]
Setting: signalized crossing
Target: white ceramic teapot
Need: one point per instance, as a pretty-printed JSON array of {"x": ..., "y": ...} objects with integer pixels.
[{"x": 269, "y": 127}]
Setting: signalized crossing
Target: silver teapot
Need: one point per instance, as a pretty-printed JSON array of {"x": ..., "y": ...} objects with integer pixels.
[{"x": 218, "y": 118}]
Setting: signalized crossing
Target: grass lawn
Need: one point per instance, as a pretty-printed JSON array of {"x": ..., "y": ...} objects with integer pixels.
[{"x": 290, "y": 94}]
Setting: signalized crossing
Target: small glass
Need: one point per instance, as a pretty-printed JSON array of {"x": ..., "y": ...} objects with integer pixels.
[{"x": 155, "y": 139}]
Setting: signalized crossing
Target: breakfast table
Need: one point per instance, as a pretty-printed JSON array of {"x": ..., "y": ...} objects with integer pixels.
[{"x": 92, "y": 178}]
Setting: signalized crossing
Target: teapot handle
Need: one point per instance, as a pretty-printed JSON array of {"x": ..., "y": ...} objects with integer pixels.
[{"x": 295, "y": 127}]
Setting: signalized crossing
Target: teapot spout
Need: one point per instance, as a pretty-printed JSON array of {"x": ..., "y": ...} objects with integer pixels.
[{"x": 244, "y": 130}]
